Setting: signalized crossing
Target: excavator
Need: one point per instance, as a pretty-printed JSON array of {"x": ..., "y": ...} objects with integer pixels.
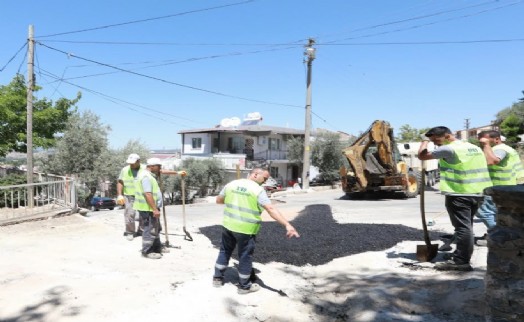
[{"x": 376, "y": 166}]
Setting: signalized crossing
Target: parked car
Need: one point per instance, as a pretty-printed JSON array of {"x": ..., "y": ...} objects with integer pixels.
[
  {"x": 271, "y": 185},
  {"x": 98, "y": 203}
]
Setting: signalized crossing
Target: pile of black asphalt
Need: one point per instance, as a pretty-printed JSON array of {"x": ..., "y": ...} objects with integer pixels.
[{"x": 322, "y": 239}]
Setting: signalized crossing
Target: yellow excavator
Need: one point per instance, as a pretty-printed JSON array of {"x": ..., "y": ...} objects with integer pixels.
[{"x": 375, "y": 165}]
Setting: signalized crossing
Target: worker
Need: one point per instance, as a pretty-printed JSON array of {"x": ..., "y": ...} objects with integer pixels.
[
  {"x": 244, "y": 201},
  {"x": 125, "y": 189},
  {"x": 463, "y": 178},
  {"x": 505, "y": 168},
  {"x": 148, "y": 201}
]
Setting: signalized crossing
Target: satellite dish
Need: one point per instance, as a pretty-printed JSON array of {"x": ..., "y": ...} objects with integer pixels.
[
  {"x": 225, "y": 123},
  {"x": 235, "y": 121}
]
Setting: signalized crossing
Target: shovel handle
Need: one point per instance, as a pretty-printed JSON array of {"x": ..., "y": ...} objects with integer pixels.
[{"x": 422, "y": 203}]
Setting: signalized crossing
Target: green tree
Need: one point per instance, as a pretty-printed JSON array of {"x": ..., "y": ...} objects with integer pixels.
[
  {"x": 409, "y": 134},
  {"x": 202, "y": 175},
  {"x": 48, "y": 119},
  {"x": 82, "y": 149},
  {"x": 326, "y": 155},
  {"x": 295, "y": 150},
  {"x": 511, "y": 127}
]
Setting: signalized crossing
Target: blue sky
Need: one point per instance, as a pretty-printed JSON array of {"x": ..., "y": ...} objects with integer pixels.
[{"x": 152, "y": 68}]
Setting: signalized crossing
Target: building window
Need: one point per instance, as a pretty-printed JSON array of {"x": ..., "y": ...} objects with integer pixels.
[
  {"x": 197, "y": 143},
  {"x": 274, "y": 144},
  {"x": 273, "y": 171}
]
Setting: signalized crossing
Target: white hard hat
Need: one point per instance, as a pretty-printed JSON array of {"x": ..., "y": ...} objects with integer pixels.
[
  {"x": 154, "y": 161},
  {"x": 132, "y": 158}
]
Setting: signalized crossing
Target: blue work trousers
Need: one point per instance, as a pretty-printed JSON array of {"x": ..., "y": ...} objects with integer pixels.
[
  {"x": 151, "y": 234},
  {"x": 461, "y": 210},
  {"x": 246, "y": 248},
  {"x": 487, "y": 212}
]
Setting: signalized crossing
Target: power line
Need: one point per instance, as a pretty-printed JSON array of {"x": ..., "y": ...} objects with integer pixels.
[
  {"x": 426, "y": 42},
  {"x": 170, "y": 82},
  {"x": 117, "y": 100},
  {"x": 147, "y": 19},
  {"x": 14, "y": 56},
  {"x": 430, "y": 23}
]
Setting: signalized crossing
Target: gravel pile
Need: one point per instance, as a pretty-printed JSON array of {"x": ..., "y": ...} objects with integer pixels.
[{"x": 322, "y": 239}]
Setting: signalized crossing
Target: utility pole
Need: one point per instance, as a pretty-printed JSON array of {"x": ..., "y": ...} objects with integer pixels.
[
  {"x": 30, "y": 88},
  {"x": 466, "y": 125},
  {"x": 310, "y": 56}
]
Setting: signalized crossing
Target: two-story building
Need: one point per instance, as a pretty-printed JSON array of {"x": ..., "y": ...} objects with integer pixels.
[{"x": 242, "y": 146}]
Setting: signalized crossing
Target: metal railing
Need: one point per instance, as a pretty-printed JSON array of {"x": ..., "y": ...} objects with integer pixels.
[{"x": 55, "y": 194}]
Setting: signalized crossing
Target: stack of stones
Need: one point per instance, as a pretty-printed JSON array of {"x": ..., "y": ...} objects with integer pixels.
[{"x": 504, "y": 279}]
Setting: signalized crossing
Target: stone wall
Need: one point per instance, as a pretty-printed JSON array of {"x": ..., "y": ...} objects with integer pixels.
[{"x": 505, "y": 267}]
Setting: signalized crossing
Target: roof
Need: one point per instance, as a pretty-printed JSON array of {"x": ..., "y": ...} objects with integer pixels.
[{"x": 247, "y": 129}]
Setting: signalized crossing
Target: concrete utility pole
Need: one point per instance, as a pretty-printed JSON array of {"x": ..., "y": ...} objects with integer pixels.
[
  {"x": 466, "y": 126},
  {"x": 30, "y": 87},
  {"x": 310, "y": 55}
]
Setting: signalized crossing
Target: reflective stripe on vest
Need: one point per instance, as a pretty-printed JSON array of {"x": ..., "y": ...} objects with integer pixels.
[
  {"x": 470, "y": 175},
  {"x": 242, "y": 212},
  {"x": 129, "y": 181},
  {"x": 140, "y": 197},
  {"x": 508, "y": 170}
]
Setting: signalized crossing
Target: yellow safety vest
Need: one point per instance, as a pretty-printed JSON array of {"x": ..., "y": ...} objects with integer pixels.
[
  {"x": 140, "y": 197},
  {"x": 470, "y": 175},
  {"x": 508, "y": 170},
  {"x": 129, "y": 181},
  {"x": 242, "y": 211}
]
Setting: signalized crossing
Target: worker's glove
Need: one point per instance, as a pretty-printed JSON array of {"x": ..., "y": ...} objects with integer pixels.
[
  {"x": 423, "y": 137},
  {"x": 120, "y": 200},
  {"x": 182, "y": 173}
]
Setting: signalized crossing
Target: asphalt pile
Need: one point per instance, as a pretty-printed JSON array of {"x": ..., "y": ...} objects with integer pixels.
[{"x": 322, "y": 239}]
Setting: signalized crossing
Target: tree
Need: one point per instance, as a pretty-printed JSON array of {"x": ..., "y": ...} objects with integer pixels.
[
  {"x": 48, "y": 119},
  {"x": 511, "y": 127},
  {"x": 326, "y": 155},
  {"x": 202, "y": 175},
  {"x": 82, "y": 149},
  {"x": 409, "y": 134},
  {"x": 295, "y": 147}
]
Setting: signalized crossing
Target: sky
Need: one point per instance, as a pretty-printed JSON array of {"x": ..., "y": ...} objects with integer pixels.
[{"x": 150, "y": 69}]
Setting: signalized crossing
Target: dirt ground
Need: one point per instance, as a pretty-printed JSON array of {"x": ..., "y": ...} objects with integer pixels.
[{"x": 80, "y": 268}]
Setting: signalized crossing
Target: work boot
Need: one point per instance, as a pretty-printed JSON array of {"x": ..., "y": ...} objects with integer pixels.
[
  {"x": 452, "y": 265},
  {"x": 218, "y": 281},
  {"x": 129, "y": 237},
  {"x": 253, "y": 288},
  {"x": 152, "y": 255}
]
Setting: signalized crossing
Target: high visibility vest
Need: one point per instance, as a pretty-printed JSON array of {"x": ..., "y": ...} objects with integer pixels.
[
  {"x": 508, "y": 170},
  {"x": 140, "y": 197},
  {"x": 129, "y": 181},
  {"x": 242, "y": 212},
  {"x": 470, "y": 175}
]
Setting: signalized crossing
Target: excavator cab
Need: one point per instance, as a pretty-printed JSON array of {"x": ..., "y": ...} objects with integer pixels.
[{"x": 375, "y": 164}]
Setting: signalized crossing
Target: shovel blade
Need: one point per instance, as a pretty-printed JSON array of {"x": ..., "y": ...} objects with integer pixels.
[{"x": 425, "y": 253}]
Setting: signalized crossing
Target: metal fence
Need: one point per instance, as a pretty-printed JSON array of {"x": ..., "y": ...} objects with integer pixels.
[{"x": 52, "y": 195}]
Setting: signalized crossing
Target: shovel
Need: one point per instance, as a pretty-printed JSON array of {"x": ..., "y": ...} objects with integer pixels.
[
  {"x": 425, "y": 253},
  {"x": 164, "y": 213},
  {"x": 183, "y": 186}
]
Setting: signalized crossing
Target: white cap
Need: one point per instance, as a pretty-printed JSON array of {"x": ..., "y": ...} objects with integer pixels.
[
  {"x": 503, "y": 138},
  {"x": 154, "y": 161},
  {"x": 132, "y": 158}
]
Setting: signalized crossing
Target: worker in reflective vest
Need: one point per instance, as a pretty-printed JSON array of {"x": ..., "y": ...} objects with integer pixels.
[
  {"x": 125, "y": 189},
  {"x": 244, "y": 201},
  {"x": 463, "y": 178},
  {"x": 148, "y": 200},
  {"x": 505, "y": 168}
]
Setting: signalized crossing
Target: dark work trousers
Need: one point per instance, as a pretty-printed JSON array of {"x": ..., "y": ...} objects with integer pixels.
[
  {"x": 129, "y": 217},
  {"x": 461, "y": 210},
  {"x": 246, "y": 248},
  {"x": 151, "y": 234}
]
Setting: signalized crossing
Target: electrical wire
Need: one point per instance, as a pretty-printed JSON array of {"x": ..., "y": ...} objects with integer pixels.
[
  {"x": 146, "y": 20},
  {"x": 426, "y": 42},
  {"x": 167, "y": 81},
  {"x": 14, "y": 56},
  {"x": 118, "y": 101}
]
